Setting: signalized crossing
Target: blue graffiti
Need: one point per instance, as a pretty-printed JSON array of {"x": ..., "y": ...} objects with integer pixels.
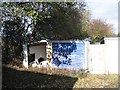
[{"x": 67, "y": 54}]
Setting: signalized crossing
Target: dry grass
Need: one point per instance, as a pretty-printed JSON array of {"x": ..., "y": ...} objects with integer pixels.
[
  {"x": 51, "y": 76},
  {"x": 98, "y": 81}
]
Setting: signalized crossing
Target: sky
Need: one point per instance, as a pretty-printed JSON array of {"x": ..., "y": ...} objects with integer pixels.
[{"x": 106, "y": 10}]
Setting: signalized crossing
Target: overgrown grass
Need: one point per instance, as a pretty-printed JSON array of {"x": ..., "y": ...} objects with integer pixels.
[
  {"x": 98, "y": 81},
  {"x": 14, "y": 76}
]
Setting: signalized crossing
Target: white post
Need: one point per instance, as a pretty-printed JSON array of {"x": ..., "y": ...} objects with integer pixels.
[
  {"x": 86, "y": 63},
  {"x": 25, "y": 60}
]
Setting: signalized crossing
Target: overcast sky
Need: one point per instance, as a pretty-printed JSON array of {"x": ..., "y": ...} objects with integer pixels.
[{"x": 106, "y": 10}]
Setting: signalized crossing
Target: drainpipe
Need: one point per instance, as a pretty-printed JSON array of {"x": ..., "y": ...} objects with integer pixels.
[{"x": 25, "y": 53}]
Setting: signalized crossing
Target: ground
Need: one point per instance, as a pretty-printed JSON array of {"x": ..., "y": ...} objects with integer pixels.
[{"x": 19, "y": 77}]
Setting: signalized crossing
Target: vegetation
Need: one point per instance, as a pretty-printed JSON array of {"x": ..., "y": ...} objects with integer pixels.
[
  {"x": 97, "y": 29},
  {"x": 46, "y": 20},
  {"x": 15, "y": 77},
  {"x": 100, "y": 29},
  {"x": 118, "y": 34},
  {"x": 32, "y": 21}
]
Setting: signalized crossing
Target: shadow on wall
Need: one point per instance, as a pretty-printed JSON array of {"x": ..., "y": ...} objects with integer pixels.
[{"x": 12, "y": 78}]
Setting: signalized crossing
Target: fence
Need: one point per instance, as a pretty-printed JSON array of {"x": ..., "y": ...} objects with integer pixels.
[{"x": 103, "y": 58}]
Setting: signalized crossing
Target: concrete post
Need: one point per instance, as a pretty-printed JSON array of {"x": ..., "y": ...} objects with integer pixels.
[
  {"x": 25, "y": 60},
  {"x": 86, "y": 55}
]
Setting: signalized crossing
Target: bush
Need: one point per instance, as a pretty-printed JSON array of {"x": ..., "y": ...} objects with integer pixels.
[{"x": 82, "y": 73}]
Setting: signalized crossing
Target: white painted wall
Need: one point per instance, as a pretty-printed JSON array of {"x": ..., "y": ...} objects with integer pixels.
[
  {"x": 40, "y": 51},
  {"x": 97, "y": 59},
  {"x": 103, "y": 58},
  {"x": 25, "y": 60},
  {"x": 112, "y": 54}
]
